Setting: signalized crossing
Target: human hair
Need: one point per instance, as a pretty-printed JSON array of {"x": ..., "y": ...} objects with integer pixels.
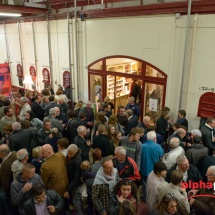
[
  {"x": 109, "y": 135},
  {"x": 164, "y": 203},
  {"x": 80, "y": 104},
  {"x": 115, "y": 140},
  {"x": 182, "y": 112},
  {"x": 113, "y": 120},
  {"x": 212, "y": 168},
  {"x": 177, "y": 125},
  {"x": 6, "y": 102},
  {"x": 174, "y": 142},
  {"x": 59, "y": 92},
  {"x": 146, "y": 118},
  {"x": 151, "y": 128},
  {"x": 159, "y": 167},
  {"x": 63, "y": 143},
  {"x": 71, "y": 114},
  {"x": 106, "y": 159},
  {"x": 85, "y": 165},
  {"x": 106, "y": 105},
  {"x": 176, "y": 177},
  {"x": 100, "y": 117},
  {"x": 151, "y": 135},
  {"x": 82, "y": 115},
  {"x": 101, "y": 128},
  {"x": 164, "y": 113},
  {"x": 8, "y": 127},
  {"x": 52, "y": 111},
  {"x": 37, "y": 189},
  {"x": 127, "y": 208},
  {"x": 131, "y": 98},
  {"x": 180, "y": 158},
  {"x": 166, "y": 109},
  {"x": 36, "y": 152},
  {"x": 141, "y": 130},
  {"x": 51, "y": 98},
  {"x": 81, "y": 129},
  {"x": 73, "y": 148},
  {"x": 45, "y": 121},
  {"x": 197, "y": 139},
  {"x": 16, "y": 126},
  {"x": 31, "y": 114},
  {"x": 21, "y": 154},
  {"x": 121, "y": 150},
  {"x": 23, "y": 99},
  {"x": 28, "y": 94},
  {"x": 25, "y": 124},
  {"x": 210, "y": 120},
  {"x": 45, "y": 92},
  {"x": 134, "y": 131},
  {"x": 54, "y": 132},
  {"x": 6, "y": 110},
  {"x": 4, "y": 149},
  {"x": 96, "y": 154},
  {"x": 27, "y": 167},
  {"x": 126, "y": 182},
  {"x": 129, "y": 112},
  {"x": 180, "y": 131}
]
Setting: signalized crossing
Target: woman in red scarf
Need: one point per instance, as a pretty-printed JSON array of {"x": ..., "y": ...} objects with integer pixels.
[{"x": 124, "y": 189}]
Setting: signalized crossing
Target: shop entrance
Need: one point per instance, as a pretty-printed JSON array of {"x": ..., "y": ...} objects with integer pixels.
[{"x": 116, "y": 77}]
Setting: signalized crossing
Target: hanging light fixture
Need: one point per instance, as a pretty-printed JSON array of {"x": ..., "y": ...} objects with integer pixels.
[
  {"x": 11, "y": 14},
  {"x": 28, "y": 79}
]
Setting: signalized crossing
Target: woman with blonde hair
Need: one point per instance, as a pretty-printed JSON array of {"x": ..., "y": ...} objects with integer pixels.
[
  {"x": 117, "y": 137},
  {"x": 78, "y": 107},
  {"x": 37, "y": 160}
]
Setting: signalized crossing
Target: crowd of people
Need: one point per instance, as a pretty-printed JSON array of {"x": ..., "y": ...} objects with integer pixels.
[{"x": 61, "y": 160}]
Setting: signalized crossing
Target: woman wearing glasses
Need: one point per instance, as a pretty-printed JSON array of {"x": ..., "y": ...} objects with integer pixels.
[
  {"x": 167, "y": 205},
  {"x": 124, "y": 190}
]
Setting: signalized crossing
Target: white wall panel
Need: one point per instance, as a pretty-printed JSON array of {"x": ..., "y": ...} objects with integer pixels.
[{"x": 3, "y": 48}]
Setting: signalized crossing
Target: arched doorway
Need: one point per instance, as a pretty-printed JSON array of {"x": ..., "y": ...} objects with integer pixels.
[{"x": 112, "y": 76}]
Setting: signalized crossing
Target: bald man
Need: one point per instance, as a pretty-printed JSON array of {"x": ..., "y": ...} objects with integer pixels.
[
  {"x": 53, "y": 170},
  {"x": 6, "y": 175}
]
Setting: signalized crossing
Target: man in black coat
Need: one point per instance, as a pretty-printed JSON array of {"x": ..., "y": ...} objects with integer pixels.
[
  {"x": 82, "y": 143},
  {"x": 63, "y": 106},
  {"x": 51, "y": 105},
  {"x": 208, "y": 134},
  {"x": 190, "y": 172},
  {"x": 132, "y": 121},
  {"x": 37, "y": 109},
  {"x": 101, "y": 141}
]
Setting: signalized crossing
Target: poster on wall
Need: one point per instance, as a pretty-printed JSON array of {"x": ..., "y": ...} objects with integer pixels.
[
  {"x": 153, "y": 104},
  {"x": 33, "y": 76},
  {"x": 46, "y": 77},
  {"x": 5, "y": 80},
  {"x": 19, "y": 74}
]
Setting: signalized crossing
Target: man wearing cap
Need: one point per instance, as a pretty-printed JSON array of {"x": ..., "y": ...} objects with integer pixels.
[{"x": 25, "y": 107}]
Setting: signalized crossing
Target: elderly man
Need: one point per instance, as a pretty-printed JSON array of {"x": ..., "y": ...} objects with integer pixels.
[
  {"x": 6, "y": 175},
  {"x": 150, "y": 154},
  {"x": 126, "y": 166},
  {"x": 145, "y": 124},
  {"x": 204, "y": 205},
  {"x": 174, "y": 188},
  {"x": 132, "y": 121},
  {"x": 82, "y": 143},
  {"x": 207, "y": 134},
  {"x": 61, "y": 117},
  {"x": 170, "y": 158},
  {"x": 54, "y": 122},
  {"x": 53, "y": 170},
  {"x": 43, "y": 202},
  {"x": 133, "y": 106},
  {"x": 180, "y": 134},
  {"x": 190, "y": 172},
  {"x": 207, "y": 162},
  {"x": 21, "y": 187},
  {"x": 8, "y": 118},
  {"x": 105, "y": 180},
  {"x": 21, "y": 138},
  {"x": 24, "y": 109},
  {"x": 22, "y": 158},
  {"x": 63, "y": 106},
  {"x": 155, "y": 177},
  {"x": 74, "y": 173}
]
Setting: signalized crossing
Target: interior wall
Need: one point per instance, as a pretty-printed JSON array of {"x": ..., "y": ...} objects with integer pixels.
[{"x": 159, "y": 40}]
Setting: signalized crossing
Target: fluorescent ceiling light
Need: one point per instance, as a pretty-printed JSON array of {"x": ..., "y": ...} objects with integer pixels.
[{"x": 11, "y": 14}]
